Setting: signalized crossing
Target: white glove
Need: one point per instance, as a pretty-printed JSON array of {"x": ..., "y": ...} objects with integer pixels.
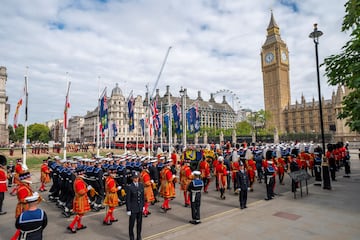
[
  {"x": 152, "y": 181},
  {"x": 119, "y": 188},
  {"x": 239, "y": 189},
  {"x": 128, "y": 213},
  {"x": 174, "y": 176},
  {"x": 89, "y": 187}
]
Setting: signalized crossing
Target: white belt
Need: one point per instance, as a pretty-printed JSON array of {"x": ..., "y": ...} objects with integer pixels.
[{"x": 3, "y": 181}]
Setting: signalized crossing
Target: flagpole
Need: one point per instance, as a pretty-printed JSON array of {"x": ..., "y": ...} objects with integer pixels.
[
  {"x": 170, "y": 125},
  {"x": 98, "y": 122},
  {"x": 26, "y": 118},
  {"x": 66, "y": 114},
  {"x": 160, "y": 128},
  {"x": 149, "y": 117}
]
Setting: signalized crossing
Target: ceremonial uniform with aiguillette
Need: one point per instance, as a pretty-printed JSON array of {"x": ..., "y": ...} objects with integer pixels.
[
  {"x": 135, "y": 205},
  {"x": 194, "y": 189},
  {"x": 242, "y": 181}
]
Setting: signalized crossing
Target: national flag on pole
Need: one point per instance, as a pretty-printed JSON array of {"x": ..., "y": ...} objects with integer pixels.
[
  {"x": 142, "y": 124},
  {"x": 166, "y": 120},
  {"x": 115, "y": 131},
  {"x": 131, "y": 105},
  {"x": 103, "y": 112},
  {"x": 197, "y": 118},
  {"x": 19, "y": 104},
  {"x": 177, "y": 116},
  {"x": 67, "y": 106}
]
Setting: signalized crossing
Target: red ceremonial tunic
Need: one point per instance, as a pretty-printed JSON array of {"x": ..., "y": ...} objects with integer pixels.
[
  {"x": 221, "y": 173},
  {"x": 80, "y": 203},
  {"x": 185, "y": 177},
  {"x": 18, "y": 170},
  {"x": 251, "y": 167},
  {"x": 281, "y": 166},
  {"x": 204, "y": 168},
  {"x": 23, "y": 192},
  {"x": 45, "y": 173},
  {"x": 111, "y": 197},
  {"x": 3, "y": 180},
  {"x": 148, "y": 190},
  {"x": 167, "y": 189},
  {"x": 235, "y": 167}
]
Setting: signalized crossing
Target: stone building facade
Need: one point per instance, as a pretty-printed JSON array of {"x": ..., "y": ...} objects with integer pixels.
[
  {"x": 303, "y": 116},
  {"x": 4, "y": 108}
]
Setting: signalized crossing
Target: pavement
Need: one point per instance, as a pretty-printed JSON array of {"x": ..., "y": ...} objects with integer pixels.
[{"x": 320, "y": 214}]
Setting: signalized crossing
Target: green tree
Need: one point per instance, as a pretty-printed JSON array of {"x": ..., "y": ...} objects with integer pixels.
[
  {"x": 344, "y": 68},
  {"x": 243, "y": 128},
  {"x": 17, "y": 135},
  {"x": 38, "y": 132}
]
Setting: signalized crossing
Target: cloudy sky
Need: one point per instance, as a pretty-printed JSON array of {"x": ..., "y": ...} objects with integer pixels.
[{"x": 216, "y": 46}]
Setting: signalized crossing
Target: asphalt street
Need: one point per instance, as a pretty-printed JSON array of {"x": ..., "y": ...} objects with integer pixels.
[{"x": 221, "y": 219}]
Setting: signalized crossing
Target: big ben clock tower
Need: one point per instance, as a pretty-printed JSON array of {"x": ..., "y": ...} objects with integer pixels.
[{"x": 275, "y": 68}]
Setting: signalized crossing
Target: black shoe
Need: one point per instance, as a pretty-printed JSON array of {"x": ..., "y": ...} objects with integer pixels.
[
  {"x": 114, "y": 220},
  {"x": 186, "y": 205},
  {"x": 192, "y": 221},
  {"x": 3, "y": 213},
  {"x": 267, "y": 199},
  {"x": 245, "y": 206},
  {"x": 197, "y": 222},
  {"x": 107, "y": 223},
  {"x": 71, "y": 229},
  {"x": 241, "y": 207}
]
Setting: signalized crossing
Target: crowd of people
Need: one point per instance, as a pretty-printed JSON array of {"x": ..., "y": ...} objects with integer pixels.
[{"x": 80, "y": 185}]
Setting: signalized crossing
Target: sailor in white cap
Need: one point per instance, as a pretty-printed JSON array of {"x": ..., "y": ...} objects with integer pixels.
[
  {"x": 33, "y": 221},
  {"x": 194, "y": 189}
]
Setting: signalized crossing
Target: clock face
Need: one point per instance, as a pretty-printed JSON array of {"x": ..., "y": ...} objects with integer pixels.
[
  {"x": 283, "y": 56},
  {"x": 269, "y": 57}
]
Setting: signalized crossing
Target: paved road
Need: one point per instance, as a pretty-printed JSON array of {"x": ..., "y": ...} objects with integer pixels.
[{"x": 320, "y": 214}]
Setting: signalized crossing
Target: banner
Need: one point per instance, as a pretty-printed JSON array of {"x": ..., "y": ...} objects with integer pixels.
[
  {"x": 103, "y": 113},
  {"x": 19, "y": 104},
  {"x": 177, "y": 116},
  {"x": 115, "y": 130},
  {"x": 193, "y": 120},
  {"x": 131, "y": 105},
  {"x": 142, "y": 124},
  {"x": 67, "y": 106}
]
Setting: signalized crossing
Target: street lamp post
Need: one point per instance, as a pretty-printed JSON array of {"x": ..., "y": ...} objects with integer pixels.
[
  {"x": 315, "y": 36},
  {"x": 325, "y": 167},
  {"x": 183, "y": 112}
]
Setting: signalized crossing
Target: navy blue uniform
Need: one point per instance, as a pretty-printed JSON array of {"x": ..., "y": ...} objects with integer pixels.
[
  {"x": 194, "y": 188},
  {"x": 242, "y": 181},
  {"x": 31, "y": 224}
]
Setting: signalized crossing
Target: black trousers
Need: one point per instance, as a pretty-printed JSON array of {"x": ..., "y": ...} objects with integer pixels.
[
  {"x": 243, "y": 198},
  {"x": 195, "y": 210},
  {"x": 138, "y": 218},
  {"x": 2, "y": 196}
]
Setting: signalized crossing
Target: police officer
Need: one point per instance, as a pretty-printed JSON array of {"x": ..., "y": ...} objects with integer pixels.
[
  {"x": 134, "y": 205},
  {"x": 194, "y": 188},
  {"x": 242, "y": 182}
]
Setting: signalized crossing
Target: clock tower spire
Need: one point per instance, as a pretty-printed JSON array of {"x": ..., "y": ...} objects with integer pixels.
[{"x": 276, "y": 82}]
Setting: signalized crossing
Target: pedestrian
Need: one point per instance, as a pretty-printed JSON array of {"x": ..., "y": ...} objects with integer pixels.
[
  {"x": 33, "y": 221},
  {"x": 242, "y": 182},
  {"x": 81, "y": 201},
  {"x": 194, "y": 189},
  {"x": 134, "y": 205},
  {"x": 3, "y": 180}
]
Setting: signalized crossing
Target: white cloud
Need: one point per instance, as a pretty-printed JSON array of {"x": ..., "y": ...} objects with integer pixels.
[{"x": 216, "y": 45}]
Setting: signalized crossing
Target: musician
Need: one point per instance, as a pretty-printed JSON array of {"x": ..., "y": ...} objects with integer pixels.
[
  {"x": 146, "y": 180},
  {"x": 204, "y": 168},
  {"x": 185, "y": 178},
  {"x": 167, "y": 189}
]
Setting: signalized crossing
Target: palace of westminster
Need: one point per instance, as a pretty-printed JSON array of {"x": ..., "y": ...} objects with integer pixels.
[{"x": 301, "y": 117}]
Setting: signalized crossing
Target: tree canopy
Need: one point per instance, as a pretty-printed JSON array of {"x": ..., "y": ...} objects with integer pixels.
[{"x": 344, "y": 68}]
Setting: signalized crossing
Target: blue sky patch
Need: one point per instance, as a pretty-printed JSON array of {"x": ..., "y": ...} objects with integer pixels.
[
  {"x": 56, "y": 25},
  {"x": 290, "y": 4}
]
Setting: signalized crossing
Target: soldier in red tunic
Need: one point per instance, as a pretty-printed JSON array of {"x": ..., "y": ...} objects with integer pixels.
[
  {"x": 45, "y": 175},
  {"x": 221, "y": 175},
  {"x": 111, "y": 196},
  {"x": 81, "y": 201},
  {"x": 204, "y": 168},
  {"x": 148, "y": 189},
  {"x": 185, "y": 179},
  {"x": 18, "y": 170},
  {"x": 3, "y": 179},
  {"x": 167, "y": 189}
]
